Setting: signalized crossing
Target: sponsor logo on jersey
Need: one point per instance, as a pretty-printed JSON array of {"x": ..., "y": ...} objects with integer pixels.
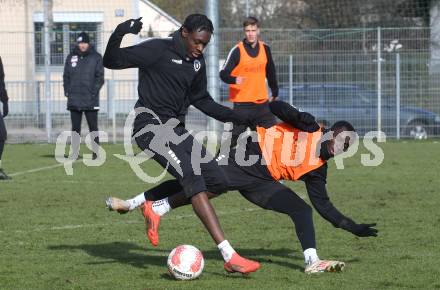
[
  {"x": 173, "y": 156},
  {"x": 178, "y": 61}
]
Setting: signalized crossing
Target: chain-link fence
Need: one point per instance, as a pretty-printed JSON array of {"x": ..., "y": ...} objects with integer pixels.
[
  {"x": 374, "y": 78},
  {"x": 378, "y": 79}
]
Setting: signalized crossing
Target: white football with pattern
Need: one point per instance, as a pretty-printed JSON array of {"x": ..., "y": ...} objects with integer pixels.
[{"x": 185, "y": 262}]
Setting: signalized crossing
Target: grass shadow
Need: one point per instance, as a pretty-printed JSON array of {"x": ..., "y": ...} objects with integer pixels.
[
  {"x": 135, "y": 255},
  {"x": 53, "y": 156},
  {"x": 167, "y": 276},
  {"x": 48, "y": 156},
  {"x": 117, "y": 252}
]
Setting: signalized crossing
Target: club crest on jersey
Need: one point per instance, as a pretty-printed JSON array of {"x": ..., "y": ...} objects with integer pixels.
[{"x": 197, "y": 65}]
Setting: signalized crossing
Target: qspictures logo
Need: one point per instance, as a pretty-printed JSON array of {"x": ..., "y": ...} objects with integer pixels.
[{"x": 162, "y": 140}]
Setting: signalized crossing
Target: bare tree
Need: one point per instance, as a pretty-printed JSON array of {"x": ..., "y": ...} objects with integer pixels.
[{"x": 180, "y": 9}]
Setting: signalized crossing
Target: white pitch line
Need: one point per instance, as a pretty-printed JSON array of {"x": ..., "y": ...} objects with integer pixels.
[{"x": 39, "y": 169}]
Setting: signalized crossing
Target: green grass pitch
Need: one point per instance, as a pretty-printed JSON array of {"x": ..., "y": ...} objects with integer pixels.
[{"x": 55, "y": 232}]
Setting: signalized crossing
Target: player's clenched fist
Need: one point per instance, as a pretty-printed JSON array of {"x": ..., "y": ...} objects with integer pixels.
[{"x": 130, "y": 26}]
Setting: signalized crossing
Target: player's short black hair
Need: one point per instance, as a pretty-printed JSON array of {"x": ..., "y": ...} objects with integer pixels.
[
  {"x": 251, "y": 20},
  {"x": 198, "y": 22},
  {"x": 342, "y": 125}
]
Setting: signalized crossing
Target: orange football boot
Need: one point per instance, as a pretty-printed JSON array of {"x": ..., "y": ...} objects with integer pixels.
[
  {"x": 152, "y": 221},
  {"x": 241, "y": 265}
]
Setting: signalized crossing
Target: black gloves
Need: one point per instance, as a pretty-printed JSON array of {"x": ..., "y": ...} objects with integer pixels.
[
  {"x": 360, "y": 230},
  {"x": 130, "y": 26},
  {"x": 5, "y": 109},
  {"x": 306, "y": 118},
  {"x": 306, "y": 122},
  {"x": 365, "y": 230}
]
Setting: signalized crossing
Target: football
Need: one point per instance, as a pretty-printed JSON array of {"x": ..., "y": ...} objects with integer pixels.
[{"x": 185, "y": 262}]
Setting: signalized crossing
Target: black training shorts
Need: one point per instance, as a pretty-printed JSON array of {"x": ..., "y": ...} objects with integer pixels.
[{"x": 212, "y": 177}]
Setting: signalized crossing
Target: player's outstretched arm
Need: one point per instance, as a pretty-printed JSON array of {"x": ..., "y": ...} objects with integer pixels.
[
  {"x": 291, "y": 115},
  {"x": 136, "y": 56},
  {"x": 202, "y": 100},
  {"x": 317, "y": 192},
  {"x": 219, "y": 112}
]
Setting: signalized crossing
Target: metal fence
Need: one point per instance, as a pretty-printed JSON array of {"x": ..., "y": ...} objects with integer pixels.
[
  {"x": 375, "y": 78},
  {"x": 27, "y": 119},
  {"x": 378, "y": 79}
]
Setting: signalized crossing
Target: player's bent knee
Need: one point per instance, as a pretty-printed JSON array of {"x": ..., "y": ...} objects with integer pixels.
[{"x": 305, "y": 211}]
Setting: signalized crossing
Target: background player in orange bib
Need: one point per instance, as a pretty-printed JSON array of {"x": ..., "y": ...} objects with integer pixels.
[{"x": 248, "y": 65}]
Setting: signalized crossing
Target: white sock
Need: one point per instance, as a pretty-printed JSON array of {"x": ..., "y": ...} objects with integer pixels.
[
  {"x": 310, "y": 256},
  {"x": 136, "y": 201},
  {"x": 226, "y": 250},
  {"x": 161, "y": 207}
]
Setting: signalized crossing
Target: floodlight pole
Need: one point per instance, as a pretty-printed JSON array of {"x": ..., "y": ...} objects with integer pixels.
[
  {"x": 397, "y": 95},
  {"x": 290, "y": 79},
  {"x": 379, "y": 81},
  {"x": 213, "y": 58},
  {"x": 48, "y": 20}
]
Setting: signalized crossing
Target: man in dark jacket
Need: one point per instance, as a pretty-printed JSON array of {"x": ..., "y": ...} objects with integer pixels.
[
  {"x": 83, "y": 78},
  {"x": 3, "y": 133}
]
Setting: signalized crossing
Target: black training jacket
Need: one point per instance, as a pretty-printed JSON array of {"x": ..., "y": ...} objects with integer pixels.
[
  {"x": 3, "y": 92},
  {"x": 169, "y": 80},
  {"x": 82, "y": 79}
]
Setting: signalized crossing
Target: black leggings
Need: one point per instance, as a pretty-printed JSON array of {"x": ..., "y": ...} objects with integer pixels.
[
  {"x": 92, "y": 121},
  {"x": 267, "y": 194},
  {"x": 272, "y": 195},
  {"x": 91, "y": 117},
  {"x": 282, "y": 199}
]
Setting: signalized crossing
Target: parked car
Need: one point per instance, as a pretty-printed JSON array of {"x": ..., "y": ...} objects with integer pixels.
[{"x": 332, "y": 102}]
